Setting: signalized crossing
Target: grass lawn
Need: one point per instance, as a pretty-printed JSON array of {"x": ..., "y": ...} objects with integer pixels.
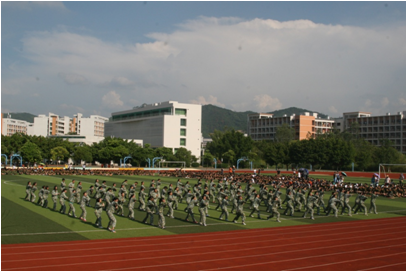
[{"x": 25, "y": 222}]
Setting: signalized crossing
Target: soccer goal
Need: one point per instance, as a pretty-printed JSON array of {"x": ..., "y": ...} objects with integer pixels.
[
  {"x": 386, "y": 168},
  {"x": 165, "y": 163}
]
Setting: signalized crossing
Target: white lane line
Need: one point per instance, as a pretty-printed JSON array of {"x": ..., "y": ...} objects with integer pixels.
[
  {"x": 383, "y": 266},
  {"x": 200, "y": 261},
  {"x": 289, "y": 260},
  {"x": 345, "y": 261},
  {"x": 207, "y": 246},
  {"x": 129, "y": 244},
  {"x": 294, "y": 230}
]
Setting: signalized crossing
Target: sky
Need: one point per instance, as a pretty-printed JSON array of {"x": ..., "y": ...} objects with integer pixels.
[{"x": 96, "y": 58}]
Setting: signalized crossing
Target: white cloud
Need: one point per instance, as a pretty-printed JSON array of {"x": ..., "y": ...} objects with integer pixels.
[
  {"x": 121, "y": 81},
  {"x": 211, "y": 100},
  {"x": 267, "y": 103},
  {"x": 72, "y": 78},
  {"x": 332, "y": 109},
  {"x": 384, "y": 102},
  {"x": 299, "y": 63},
  {"x": 112, "y": 100}
]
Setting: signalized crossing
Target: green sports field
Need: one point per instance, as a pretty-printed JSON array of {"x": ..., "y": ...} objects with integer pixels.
[{"x": 25, "y": 222}]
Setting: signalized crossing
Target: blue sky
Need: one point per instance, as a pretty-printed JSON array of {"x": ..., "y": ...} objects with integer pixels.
[{"x": 101, "y": 57}]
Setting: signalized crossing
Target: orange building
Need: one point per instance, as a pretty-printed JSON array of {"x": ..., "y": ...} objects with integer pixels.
[{"x": 264, "y": 126}]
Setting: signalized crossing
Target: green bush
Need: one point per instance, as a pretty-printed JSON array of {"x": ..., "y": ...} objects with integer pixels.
[{"x": 195, "y": 165}]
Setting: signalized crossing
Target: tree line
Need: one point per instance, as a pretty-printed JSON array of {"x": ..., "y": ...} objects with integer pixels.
[
  {"x": 36, "y": 149},
  {"x": 334, "y": 150}
]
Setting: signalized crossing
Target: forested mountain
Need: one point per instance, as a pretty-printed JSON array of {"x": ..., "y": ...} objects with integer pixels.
[
  {"x": 217, "y": 118},
  {"x": 22, "y": 116}
]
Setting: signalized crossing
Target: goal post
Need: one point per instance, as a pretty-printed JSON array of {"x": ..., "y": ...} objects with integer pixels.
[
  {"x": 172, "y": 162},
  {"x": 385, "y": 168}
]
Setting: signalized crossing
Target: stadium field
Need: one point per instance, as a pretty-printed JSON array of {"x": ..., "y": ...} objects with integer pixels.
[{"x": 29, "y": 230}]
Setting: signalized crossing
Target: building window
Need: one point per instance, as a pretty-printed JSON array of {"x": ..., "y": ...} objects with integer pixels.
[
  {"x": 182, "y": 122},
  {"x": 183, "y": 132},
  {"x": 183, "y": 142},
  {"x": 180, "y": 112}
]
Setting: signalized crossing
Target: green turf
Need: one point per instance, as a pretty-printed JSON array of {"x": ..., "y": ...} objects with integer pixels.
[{"x": 46, "y": 225}]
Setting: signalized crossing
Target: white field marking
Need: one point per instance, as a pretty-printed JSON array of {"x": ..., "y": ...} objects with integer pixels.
[
  {"x": 388, "y": 265},
  {"x": 200, "y": 261},
  {"x": 346, "y": 261},
  {"x": 200, "y": 247},
  {"x": 5, "y": 182},
  {"x": 290, "y": 260},
  {"x": 127, "y": 245},
  {"x": 167, "y": 227}
]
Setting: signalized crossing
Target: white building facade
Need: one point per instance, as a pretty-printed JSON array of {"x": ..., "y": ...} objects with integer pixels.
[
  {"x": 10, "y": 126},
  {"x": 166, "y": 124}
]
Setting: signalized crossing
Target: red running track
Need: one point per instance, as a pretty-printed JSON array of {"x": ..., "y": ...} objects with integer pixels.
[{"x": 354, "y": 245}]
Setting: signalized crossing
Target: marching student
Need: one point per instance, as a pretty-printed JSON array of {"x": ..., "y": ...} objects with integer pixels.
[
  {"x": 240, "y": 211},
  {"x": 72, "y": 199},
  {"x": 98, "y": 211},
  {"x": 161, "y": 217},
  {"x": 202, "y": 209},
  {"x": 110, "y": 213},
  {"x": 33, "y": 189},
  {"x": 276, "y": 203},
  {"x": 131, "y": 204},
  {"x": 150, "y": 209},
  {"x": 346, "y": 203},
  {"x": 85, "y": 200},
  {"x": 28, "y": 191},
  {"x": 373, "y": 205},
  {"x": 171, "y": 200},
  {"x": 62, "y": 199},
  {"x": 189, "y": 209},
  {"x": 224, "y": 204},
  {"x": 55, "y": 194}
]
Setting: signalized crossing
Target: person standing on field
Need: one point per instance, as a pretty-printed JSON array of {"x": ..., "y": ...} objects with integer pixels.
[
  {"x": 98, "y": 212},
  {"x": 85, "y": 200},
  {"x": 224, "y": 204},
  {"x": 202, "y": 209},
  {"x": 28, "y": 191},
  {"x": 110, "y": 213},
  {"x": 72, "y": 199},
  {"x": 141, "y": 199},
  {"x": 161, "y": 217},
  {"x": 150, "y": 209},
  {"x": 131, "y": 204},
  {"x": 373, "y": 205},
  {"x": 55, "y": 194},
  {"x": 62, "y": 200},
  {"x": 275, "y": 205},
  {"x": 240, "y": 211},
  {"x": 346, "y": 203}
]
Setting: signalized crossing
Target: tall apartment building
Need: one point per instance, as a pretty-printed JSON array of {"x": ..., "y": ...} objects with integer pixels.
[
  {"x": 10, "y": 126},
  {"x": 166, "y": 124},
  {"x": 264, "y": 126},
  {"x": 376, "y": 128}
]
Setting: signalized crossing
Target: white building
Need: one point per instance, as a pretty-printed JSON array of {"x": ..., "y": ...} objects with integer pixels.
[
  {"x": 10, "y": 126},
  {"x": 167, "y": 124}
]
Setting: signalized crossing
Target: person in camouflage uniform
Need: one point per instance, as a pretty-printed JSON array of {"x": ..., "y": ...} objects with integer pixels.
[
  {"x": 240, "y": 211},
  {"x": 83, "y": 202}
]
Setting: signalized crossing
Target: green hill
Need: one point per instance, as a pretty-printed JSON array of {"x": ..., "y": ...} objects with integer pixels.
[
  {"x": 22, "y": 116},
  {"x": 217, "y": 118}
]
